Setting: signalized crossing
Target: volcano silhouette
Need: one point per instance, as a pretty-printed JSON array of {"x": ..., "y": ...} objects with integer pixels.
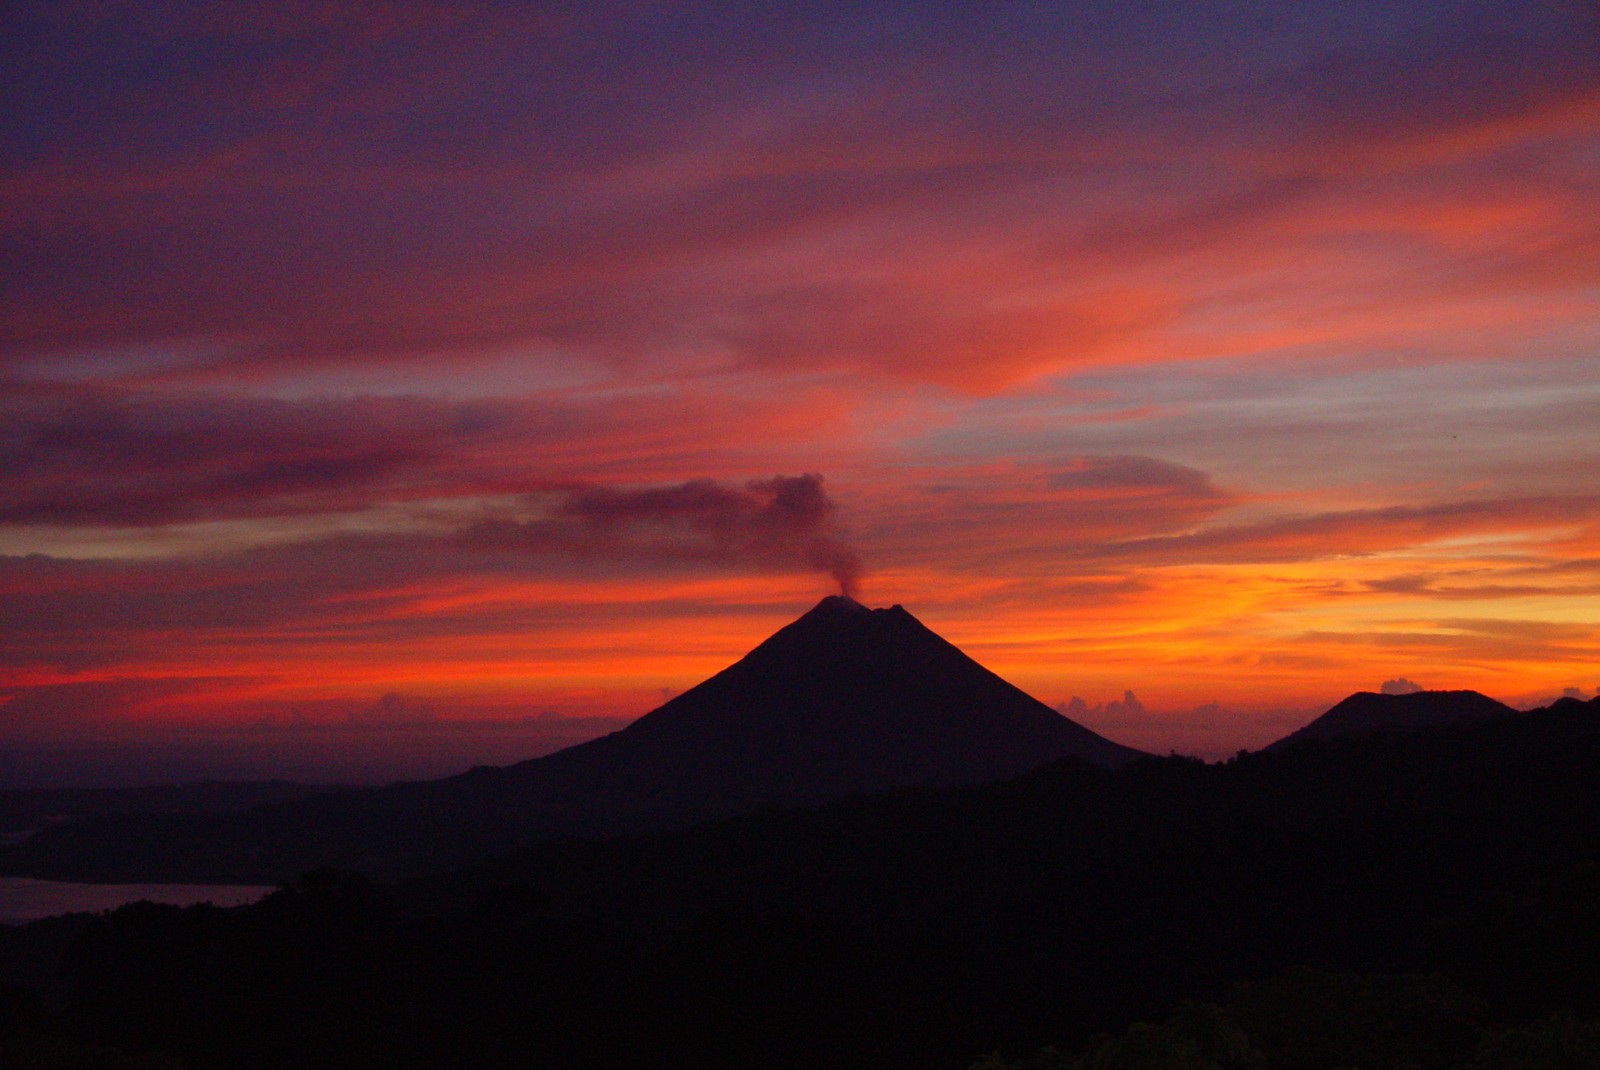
[
  {"x": 844, "y": 700},
  {"x": 1368, "y": 713},
  {"x": 847, "y": 698}
]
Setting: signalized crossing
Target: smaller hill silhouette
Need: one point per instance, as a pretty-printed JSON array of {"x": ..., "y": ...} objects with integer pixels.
[{"x": 1367, "y": 713}]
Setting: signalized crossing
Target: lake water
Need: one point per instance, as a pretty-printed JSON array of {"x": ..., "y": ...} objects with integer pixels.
[{"x": 23, "y": 900}]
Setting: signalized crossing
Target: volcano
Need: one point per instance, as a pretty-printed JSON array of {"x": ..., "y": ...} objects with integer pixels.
[
  {"x": 845, "y": 700},
  {"x": 842, "y": 701}
]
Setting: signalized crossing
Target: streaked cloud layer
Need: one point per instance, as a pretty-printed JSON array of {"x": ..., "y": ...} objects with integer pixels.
[{"x": 511, "y": 360}]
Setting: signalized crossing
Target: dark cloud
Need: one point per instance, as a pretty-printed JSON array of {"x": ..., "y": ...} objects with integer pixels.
[
  {"x": 1030, "y": 519},
  {"x": 1135, "y": 475},
  {"x": 1476, "y": 79},
  {"x": 782, "y": 521},
  {"x": 84, "y": 458},
  {"x": 1462, "y": 652},
  {"x": 1554, "y": 632},
  {"x": 1354, "y": 532},
  {"x": 1475, "y": 589}
]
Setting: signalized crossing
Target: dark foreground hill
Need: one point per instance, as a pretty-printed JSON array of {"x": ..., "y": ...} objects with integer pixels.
[
  {"x": 1426, "y": 900},
  {"x": 1367, "y": 713},
  {"x": 843, "y": 700}
]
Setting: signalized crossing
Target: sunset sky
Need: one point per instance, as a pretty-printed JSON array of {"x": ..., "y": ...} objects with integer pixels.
[{"x": 387, "y": 388}]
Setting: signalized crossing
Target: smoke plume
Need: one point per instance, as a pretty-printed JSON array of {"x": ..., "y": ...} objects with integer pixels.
[{"x": 778, "y": 522}]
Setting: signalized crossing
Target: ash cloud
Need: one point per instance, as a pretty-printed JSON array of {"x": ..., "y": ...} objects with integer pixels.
[{"x": 781, "y": 521}]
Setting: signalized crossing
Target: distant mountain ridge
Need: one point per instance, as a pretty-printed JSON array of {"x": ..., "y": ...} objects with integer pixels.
[
  {"x": 1368, "y": 713},
  {"x": 842, "y": 701}
]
